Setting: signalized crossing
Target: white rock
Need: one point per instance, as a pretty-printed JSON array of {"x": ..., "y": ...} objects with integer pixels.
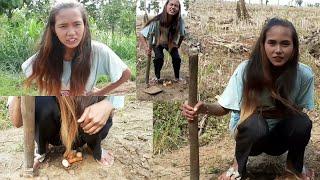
[{"x": 65, "y": 163}]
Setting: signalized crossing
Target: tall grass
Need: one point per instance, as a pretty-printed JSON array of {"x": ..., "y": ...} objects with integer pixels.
[
  {"x": 169, "y": 127},
  {"x": 18, "y": 38}
]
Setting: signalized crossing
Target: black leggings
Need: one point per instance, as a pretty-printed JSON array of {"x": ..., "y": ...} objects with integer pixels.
[
  {"x": 291, "y": 134},
  {"x": 47, "y": 124},
  {"x": 158, "y": 60}
]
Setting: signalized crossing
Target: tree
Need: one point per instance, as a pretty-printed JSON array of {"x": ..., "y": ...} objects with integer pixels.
[
  {"x": 241, "y": 10},
  {"x": 155, "y": 6},
  {"x": 142, "y": 6},
  {"x": 39, "y": 8},
  {"x": 299, "y": 2},
  {"x": 186, "y": 4},
  {"x": 118, "y": 15},
  {"x": 6, "y": 7},
  {"x": 149, "y": 8}
]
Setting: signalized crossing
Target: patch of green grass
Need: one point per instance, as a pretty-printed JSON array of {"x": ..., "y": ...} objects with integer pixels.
[
  {"x": 12, "y": 85},
  {"x": 169, "y": 127}
]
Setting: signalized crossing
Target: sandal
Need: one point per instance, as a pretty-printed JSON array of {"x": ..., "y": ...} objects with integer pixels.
[
  {"x": 39, "y": 157},
  {"x": 232, "y": 172},
  {"x": 180, "y": 80},
  {"x": 109, "y": 157}
]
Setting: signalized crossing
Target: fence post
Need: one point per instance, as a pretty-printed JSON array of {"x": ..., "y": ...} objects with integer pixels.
[
  {"x": 193, "y": 126},
  {"x": 28, "y": 113}
]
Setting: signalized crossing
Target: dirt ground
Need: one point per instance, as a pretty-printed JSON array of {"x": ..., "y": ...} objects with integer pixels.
[
  {"x": 224, "y": 43},
  {"x": 130, "y": 140},
  {"x": 174, "y": 91},
  {"x": 216, "y": 158}
]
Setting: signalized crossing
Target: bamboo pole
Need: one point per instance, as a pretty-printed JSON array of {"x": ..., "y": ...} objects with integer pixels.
[
  {"x": 28, "y": 113},
  {"x": 193, "y": 125}
]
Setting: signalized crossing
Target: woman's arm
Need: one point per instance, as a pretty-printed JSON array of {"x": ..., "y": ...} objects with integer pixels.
[
  {"x": 145, "y": 44},
  {"x": 108, "y": 88},
  {"x": 214, "y": 109},
  {"x": 95, "y": 116},
  {"x": 15, "y": 111}
]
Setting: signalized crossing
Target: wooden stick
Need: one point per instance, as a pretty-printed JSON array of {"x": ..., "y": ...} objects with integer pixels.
[
  {"x": 193, "y": 125},
  {"x": 148, "y": 69},
  {"x": 28, "y": 113}
]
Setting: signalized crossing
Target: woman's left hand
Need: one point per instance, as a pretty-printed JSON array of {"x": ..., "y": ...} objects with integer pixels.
[{"x": 95, "y": 117}]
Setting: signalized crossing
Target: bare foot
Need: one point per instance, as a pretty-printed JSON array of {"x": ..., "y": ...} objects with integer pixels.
[
  {"x": 107, "y": 158},
  {"x": 307, "y": 174},
  {"x": 231, "y": 174}
]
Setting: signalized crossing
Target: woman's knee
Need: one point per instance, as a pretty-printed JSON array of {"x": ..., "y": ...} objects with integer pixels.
[
  {"x": 100, "y": 135},
  {"x": 175, "y": 55},
  {"x": 253, "y": 128},
  {"x": 301, "y": 125}
]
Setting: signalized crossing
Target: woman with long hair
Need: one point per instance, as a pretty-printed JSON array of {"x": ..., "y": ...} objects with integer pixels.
[
  {"x": 165, "y": 31},
  {"x": 60, "y": 121},
  {"x": 68, "y": 61},
  {"x": 266, "y": 96}
]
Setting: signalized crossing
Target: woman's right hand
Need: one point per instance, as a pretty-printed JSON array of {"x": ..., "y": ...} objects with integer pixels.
[{"x": 191, "y": 112}]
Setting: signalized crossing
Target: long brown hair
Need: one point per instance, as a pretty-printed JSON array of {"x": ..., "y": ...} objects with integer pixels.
[
  {"x": 163, "y": 18},
  {"x": 47, "y": 68},
  {"x": 71, "y": 108},
  {"x": 258, "y": 75}
]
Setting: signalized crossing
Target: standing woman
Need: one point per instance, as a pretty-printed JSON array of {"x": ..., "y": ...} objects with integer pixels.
[
  {"x": 68, "y": 61},
  {"x": 165, "y": 31},
  {"x": 266, "y": 96}
]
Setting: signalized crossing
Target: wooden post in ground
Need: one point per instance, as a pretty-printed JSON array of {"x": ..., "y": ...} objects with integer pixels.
[
  {"x": 148, "y": 69},
  {"x": 28, "y": 113},
  {"x": 193, "y": 126}
]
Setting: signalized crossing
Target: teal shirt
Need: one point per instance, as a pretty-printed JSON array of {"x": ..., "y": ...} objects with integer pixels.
[{"x": 302, "y": 94}]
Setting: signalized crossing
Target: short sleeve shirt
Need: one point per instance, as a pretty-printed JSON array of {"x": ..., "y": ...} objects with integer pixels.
[
  {"x": 302, "y": 94},
  {"x": 104, "y": 62}
]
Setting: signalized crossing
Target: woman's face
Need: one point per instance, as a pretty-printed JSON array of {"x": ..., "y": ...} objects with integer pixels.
[
  {"x": 173, "y": 7},
  {"x": 278, "y": 45},
  {"x": 69, "y": 27}
]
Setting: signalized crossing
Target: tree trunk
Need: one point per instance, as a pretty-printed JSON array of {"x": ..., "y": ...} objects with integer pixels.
[{"x": 242, "y": 12}]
